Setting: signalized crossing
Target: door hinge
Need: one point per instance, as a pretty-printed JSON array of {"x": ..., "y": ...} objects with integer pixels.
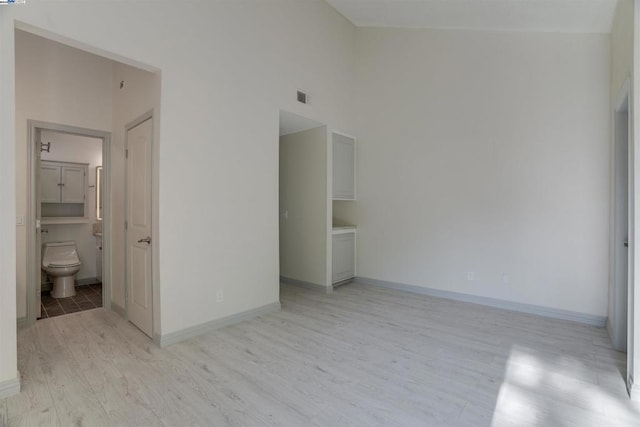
[
  {"x": 126, "y": 225},
  {"x": 126, "y": 153}
]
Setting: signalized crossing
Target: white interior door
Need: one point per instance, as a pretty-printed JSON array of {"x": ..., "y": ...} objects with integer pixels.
[{"x": 139, "y": 283}]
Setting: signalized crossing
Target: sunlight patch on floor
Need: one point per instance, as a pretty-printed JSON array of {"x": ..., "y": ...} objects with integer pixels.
[{"x": 542, "y": 388}]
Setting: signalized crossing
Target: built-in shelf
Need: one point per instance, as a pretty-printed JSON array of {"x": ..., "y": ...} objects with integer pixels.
[
  {"x": 343, "y": 229},
  {"x": 49, "y": 221}
]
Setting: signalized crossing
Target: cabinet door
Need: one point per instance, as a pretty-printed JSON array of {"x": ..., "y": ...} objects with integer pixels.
[
  {"x": 49, "y": 183},
  {"x": 344, "y": 177},
  {"x": 343, "y": 257},
  {"x": 73, "y": 180}
]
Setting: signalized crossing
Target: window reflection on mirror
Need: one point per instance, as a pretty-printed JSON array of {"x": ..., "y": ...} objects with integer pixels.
[{"x": 99, "y": 192}]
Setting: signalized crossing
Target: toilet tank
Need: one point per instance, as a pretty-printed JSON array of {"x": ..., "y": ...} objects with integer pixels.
[{"x": 60, "y": 253}]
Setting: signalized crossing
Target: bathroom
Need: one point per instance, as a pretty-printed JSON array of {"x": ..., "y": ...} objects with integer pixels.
[{"x": 70, "y": 209}]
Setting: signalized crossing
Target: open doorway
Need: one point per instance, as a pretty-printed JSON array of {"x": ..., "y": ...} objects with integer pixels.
[
  {"x": 305, "y": 217},
  {"x": 70, "y": 92},
  {"x": 620, "y": 245},
  {"x": 69, "y": 169}
]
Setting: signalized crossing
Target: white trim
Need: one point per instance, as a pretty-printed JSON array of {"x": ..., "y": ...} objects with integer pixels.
[
  {"x": 616, "y": 323},
  {"x": 625, "y": 91},
  {"x": 120, "y": 310},
  {"x": 9, "y": 388},
  {"x": 32, "y": 253},
  {"x": 634, "y": 392},
  {"x": 194, "y": 331},
  {"x": 22, "y": 322},
  {"x": 307, "y": 285},
  {"x": 347, "y": 229},
  {"x": 556, "y": 313},
  {"x": 329, "y": 214}
]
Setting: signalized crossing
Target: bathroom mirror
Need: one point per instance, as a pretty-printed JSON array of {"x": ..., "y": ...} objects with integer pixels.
[{"x": 99, "y": 192}]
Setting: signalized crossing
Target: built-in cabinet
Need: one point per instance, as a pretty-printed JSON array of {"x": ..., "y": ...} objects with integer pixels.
[
  {"x": 63, "y": 189},
  {"x": 343, "y": 258},
  {"x": 344, "y": 167}
]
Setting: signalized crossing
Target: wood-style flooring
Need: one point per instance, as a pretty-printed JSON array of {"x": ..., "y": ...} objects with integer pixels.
[{"x": 362, "y": 356}]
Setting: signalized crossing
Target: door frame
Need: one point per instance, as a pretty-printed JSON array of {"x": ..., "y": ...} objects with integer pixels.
[
  {"x": 33, "y": 252},
  {"x": 618, "y": 320},
  {"x": 127, "y": 286}
]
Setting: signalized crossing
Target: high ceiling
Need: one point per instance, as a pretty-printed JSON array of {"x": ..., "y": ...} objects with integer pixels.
[{"x": 565, "y": 16}]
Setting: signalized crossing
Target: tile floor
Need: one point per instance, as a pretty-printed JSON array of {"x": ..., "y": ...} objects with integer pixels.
[{"x": 87, "y": 297}]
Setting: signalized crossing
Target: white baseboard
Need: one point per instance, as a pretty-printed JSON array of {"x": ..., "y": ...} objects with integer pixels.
[
  {"x": 87, "y": 281},
  {"x": 9, "y": 387},
  {"x": 634, "y": 390},
  {"x": 573, "y": 316},
  {"x": 22, "y": 322},
  {"x": 121, "y": 311},
  {"x": 307, "y": 285},
  {"x": 193, "y": 331}
]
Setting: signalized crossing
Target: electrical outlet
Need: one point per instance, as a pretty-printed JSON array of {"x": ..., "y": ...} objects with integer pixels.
[
  {"x": 505, "y": 278},
  {"x": 220, "y": 296},
  {"x": 471, "y": 275}
]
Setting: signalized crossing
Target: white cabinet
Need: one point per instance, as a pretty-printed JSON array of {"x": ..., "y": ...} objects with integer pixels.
[
  {"x": 343, "y": 256},
  {"x": 344, "y": 170},
  {"x": 62, "y": 189},
  {"x": 49, "y": 183}
]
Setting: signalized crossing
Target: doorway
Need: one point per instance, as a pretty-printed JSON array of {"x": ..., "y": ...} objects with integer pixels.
[
  {"x": 69, "y": 208},
  {"x": 305, "y": 217},
  {"x": 89, "y": 89},
  {"x": 621, "y": 246}
]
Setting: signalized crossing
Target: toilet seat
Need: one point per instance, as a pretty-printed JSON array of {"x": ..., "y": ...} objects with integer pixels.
[{"x": 59, "y": 265}]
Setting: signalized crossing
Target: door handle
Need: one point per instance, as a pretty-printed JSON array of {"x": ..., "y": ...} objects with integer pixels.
[{"x": 145, "y": 240}]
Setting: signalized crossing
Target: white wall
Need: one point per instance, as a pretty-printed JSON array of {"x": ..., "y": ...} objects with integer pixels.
[
  {"x": 77, "y": 149},
  {"x": 303, "y": 195},
  {"x": 488, "y": 153},
  {"x": 227, "y": 69},
  {"x": 8, "y": 347}
]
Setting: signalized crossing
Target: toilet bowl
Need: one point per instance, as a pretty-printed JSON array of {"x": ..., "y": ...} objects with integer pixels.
[{"x": 60, "y": 261}]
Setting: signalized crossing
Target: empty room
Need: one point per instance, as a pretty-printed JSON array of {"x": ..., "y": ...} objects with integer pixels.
[{"x": 319, "y": 213}]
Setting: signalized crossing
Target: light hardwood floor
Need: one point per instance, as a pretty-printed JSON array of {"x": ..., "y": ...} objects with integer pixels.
[{"x": 362, "y": 356}]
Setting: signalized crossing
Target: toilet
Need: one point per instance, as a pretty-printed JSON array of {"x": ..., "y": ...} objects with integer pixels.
[{"x": 60, "y": 261}]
